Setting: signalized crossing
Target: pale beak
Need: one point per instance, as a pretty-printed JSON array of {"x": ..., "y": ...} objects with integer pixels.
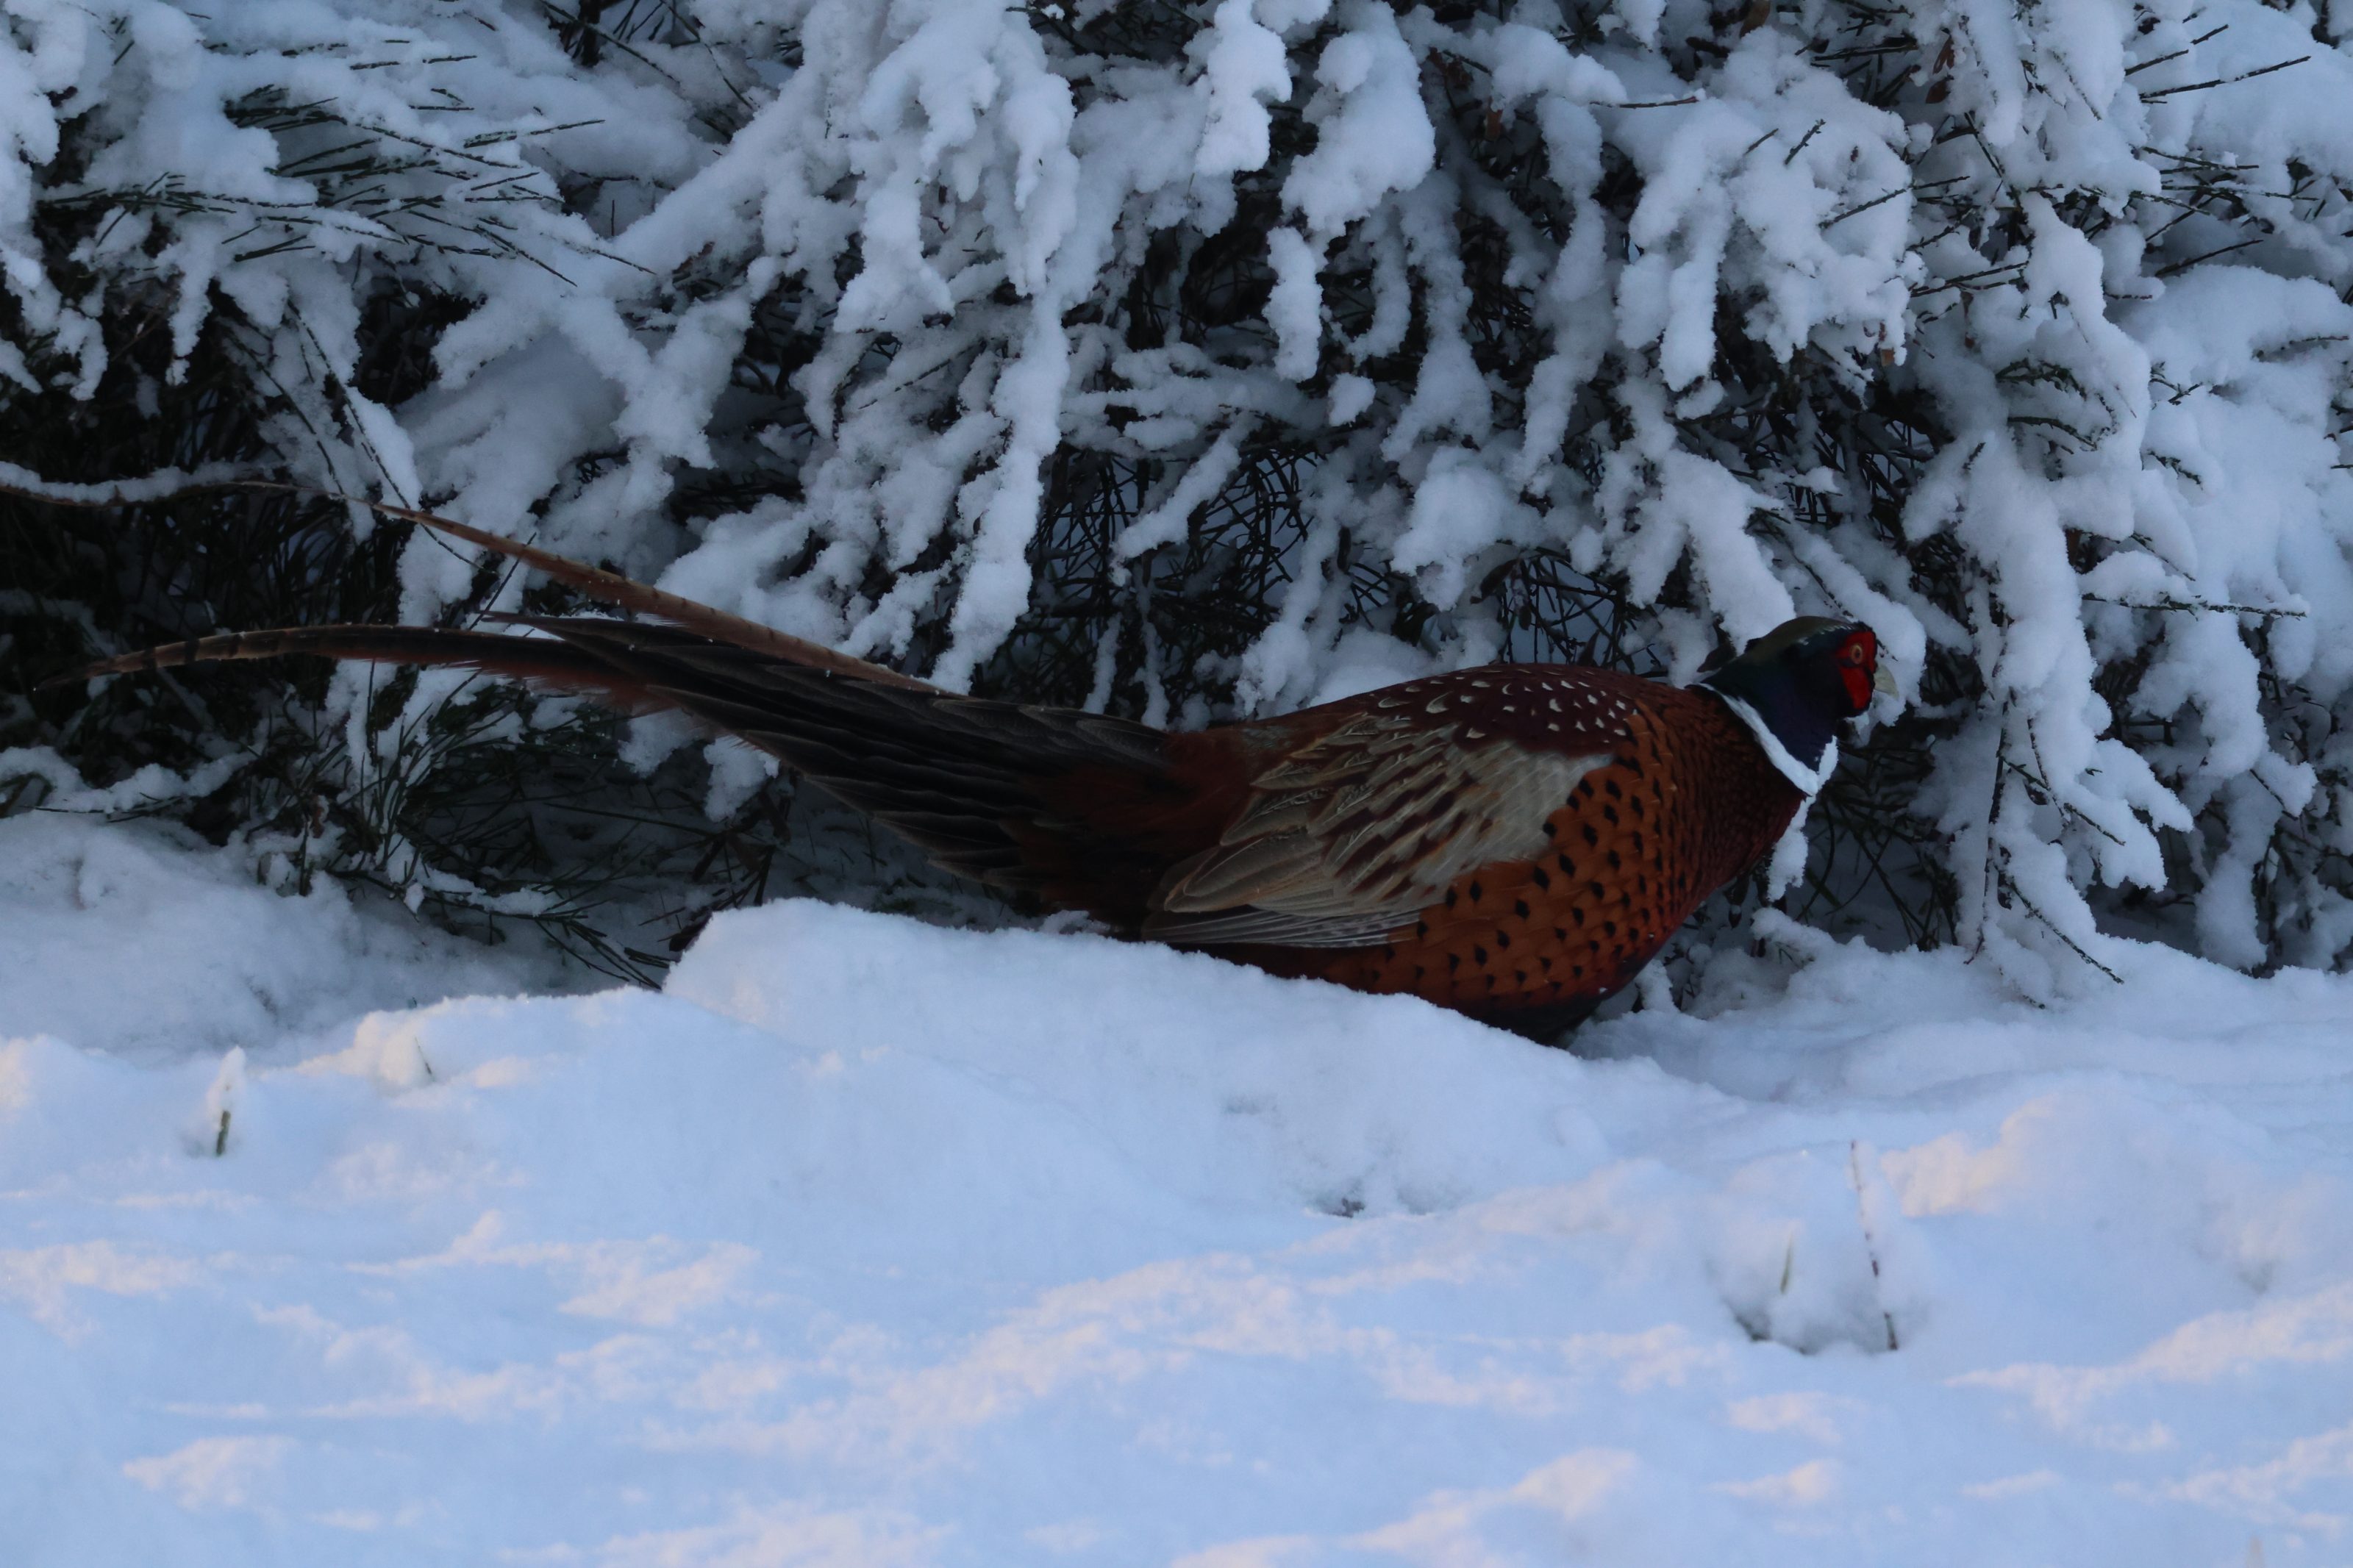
[{"x": 1883, "y": 682}]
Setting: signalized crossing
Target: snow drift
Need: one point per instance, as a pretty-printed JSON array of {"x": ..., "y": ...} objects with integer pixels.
[{"x": 869, "y": 1242}]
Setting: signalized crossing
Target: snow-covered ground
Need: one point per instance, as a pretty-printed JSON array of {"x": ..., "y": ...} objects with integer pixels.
[{"x": 871, "y": 1243}]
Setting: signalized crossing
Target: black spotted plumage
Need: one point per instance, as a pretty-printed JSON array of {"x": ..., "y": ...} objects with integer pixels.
[{"x": 1592, "y": 912}]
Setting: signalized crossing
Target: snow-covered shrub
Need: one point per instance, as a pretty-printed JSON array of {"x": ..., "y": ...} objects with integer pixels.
[{"x": 1206, "y": 358}]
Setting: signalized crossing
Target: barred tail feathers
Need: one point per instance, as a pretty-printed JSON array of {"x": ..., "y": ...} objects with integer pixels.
[
  {"x": 1075, "y": 808},
  {"x": 548, "y": 660}
]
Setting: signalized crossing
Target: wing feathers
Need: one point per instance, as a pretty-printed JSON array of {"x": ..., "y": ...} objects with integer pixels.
[{"x": 1353, "y": 833}]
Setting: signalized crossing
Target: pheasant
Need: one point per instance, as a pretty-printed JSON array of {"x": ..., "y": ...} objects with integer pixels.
[{"x": 1514, "y": 842}]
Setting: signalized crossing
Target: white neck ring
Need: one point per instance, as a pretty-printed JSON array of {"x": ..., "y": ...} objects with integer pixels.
[{"x": 1809, "y": 781}]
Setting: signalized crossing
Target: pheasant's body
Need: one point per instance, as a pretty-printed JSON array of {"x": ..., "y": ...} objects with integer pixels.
[
  {"x": 1515, "y": 842},
  {"x": 1683, "y": 801}
]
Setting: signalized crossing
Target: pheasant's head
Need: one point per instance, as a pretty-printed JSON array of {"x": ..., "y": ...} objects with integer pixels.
[{"x": 1797, "y": 684}]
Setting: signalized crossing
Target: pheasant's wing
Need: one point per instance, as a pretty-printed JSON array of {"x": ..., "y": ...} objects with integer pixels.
[{"x": 1352, "y": 833}]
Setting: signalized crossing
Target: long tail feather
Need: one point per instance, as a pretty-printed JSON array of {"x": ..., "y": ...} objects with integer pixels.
[
  {"x": 1083, "y": 810},
  {"x": 547, "y": 660},
  {"x": 627, "y": 593},
  {"x": 1012, "y": 796},
  {"x": 605, "y": 587}
]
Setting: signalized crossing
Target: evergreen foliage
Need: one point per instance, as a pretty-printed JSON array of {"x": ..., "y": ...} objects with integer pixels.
[{"x": 1195, "y": 358}]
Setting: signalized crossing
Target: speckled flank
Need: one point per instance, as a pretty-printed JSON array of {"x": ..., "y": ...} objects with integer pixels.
[{"x": 1630, "y": 851}]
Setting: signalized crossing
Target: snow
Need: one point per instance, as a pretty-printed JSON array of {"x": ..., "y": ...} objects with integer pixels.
[
  {"x": 1375, "y": 135},
  {"x": 870, "y": 1242},
  {"x": 156, "y": 947}
]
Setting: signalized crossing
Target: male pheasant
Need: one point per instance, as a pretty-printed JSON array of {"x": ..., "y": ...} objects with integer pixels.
[{"x": 1514, "y": 842}]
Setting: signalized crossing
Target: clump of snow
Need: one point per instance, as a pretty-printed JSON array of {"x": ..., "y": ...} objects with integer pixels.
[
  {"x": 144, "y": 942},
  {"x": 872, "y": 1242}
]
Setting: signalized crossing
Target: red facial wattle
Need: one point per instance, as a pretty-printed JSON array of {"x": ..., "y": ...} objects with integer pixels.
[{"x": 1858, "y": 661}]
